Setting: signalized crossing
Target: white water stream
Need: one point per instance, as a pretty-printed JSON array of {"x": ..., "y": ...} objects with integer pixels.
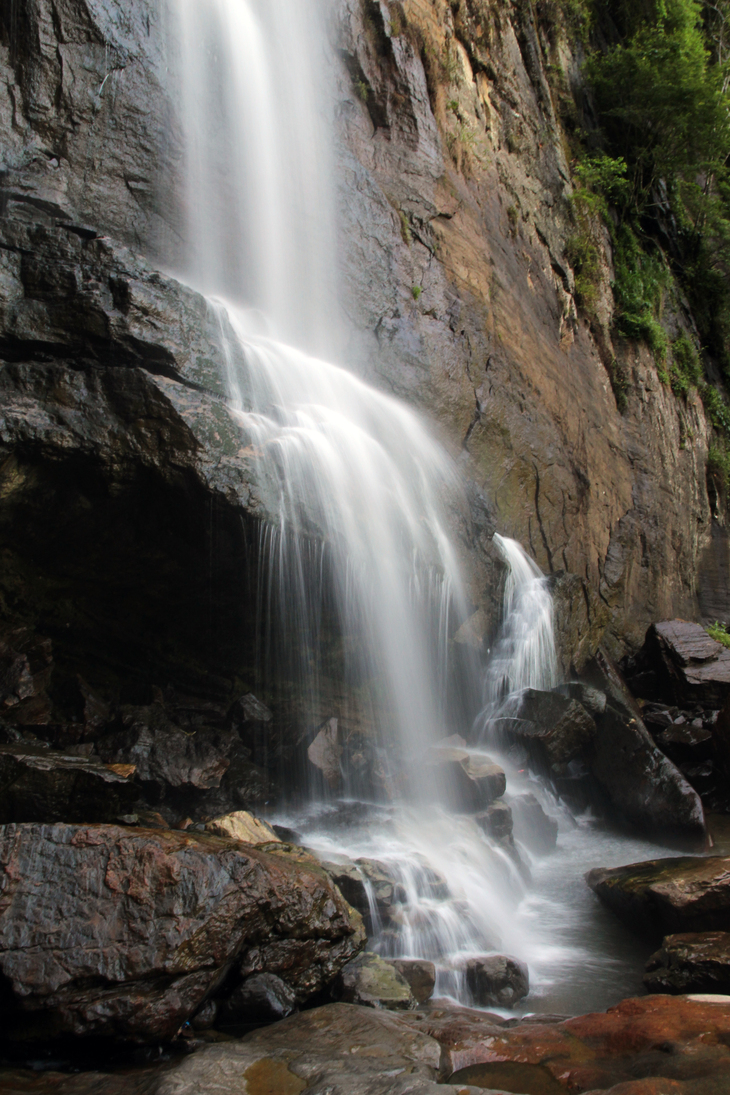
[{"x": 342, "y": 465}]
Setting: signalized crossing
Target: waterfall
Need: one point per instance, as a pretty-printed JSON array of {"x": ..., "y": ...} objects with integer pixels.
[{"x": 358, "y": 566}]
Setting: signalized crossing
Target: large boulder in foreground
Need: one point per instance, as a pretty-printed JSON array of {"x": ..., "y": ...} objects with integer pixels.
[
  {"x": 663, "y": 896},
  {"x": 125, "y": 932},
  {"x": 693, "y": 962}
]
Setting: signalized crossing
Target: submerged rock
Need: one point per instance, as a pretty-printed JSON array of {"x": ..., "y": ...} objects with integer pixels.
[
  {"x": 371, "y": 981},
  {"x": 662, "y": 896},
  {"x": 124, "y": 932},
  {"x": 692, "y": 962},
  {"x": 495, "y": 980}
]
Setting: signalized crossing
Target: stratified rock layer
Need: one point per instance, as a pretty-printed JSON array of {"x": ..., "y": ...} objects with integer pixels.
[{"x": 123, "y": 932}]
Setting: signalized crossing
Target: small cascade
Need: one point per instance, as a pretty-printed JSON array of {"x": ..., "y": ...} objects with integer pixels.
[{"x": 524, "y": 656}]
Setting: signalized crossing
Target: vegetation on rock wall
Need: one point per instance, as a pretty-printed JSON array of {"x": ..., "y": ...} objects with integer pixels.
[{"x": 651, "y": 165}]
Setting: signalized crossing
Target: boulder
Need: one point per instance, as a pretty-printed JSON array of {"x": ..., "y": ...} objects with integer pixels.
[
  {"x": 263, "y": 998},
  {"x": 532, "y": 826},
  {"x": 639, "y": 783},
  {"x": 165, "y": 754},
  {"x": 593, "y": 699},
  {"x": 26, "y": 663},
  {"x": 124, "y": 932},
  {"x": 244, "y": 827},
  {"x": 466, "y": 782},
  {"x": 419, "y": 974},
  {"x": 664, "y": 896},
  {"x": 692, "y": 962},
  {"x": 495, "y": 980},
  {"x": 688, "y": 665},
  {"x": 368, "y": 885},
  {"x": 496, "y": 821},
  {"x": 554, "y": 729},
  {"x": 37, "y": 784},
  {"x": 372, "y": 982}
]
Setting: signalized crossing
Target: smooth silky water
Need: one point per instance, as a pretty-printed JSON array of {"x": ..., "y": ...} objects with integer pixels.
[{"x": 358, "y": 503}]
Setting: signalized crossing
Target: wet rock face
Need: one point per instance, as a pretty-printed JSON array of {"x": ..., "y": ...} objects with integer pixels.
[
  {"x": 661, "y": 896},
  {"x": 124, "y": 932},
  {"x": 693, "y": 962}
]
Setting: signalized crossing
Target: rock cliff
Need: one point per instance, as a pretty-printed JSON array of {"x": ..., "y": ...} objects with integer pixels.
[{"x": 454, "y": 181}]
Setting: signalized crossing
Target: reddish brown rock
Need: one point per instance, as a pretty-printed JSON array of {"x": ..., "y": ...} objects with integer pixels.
[{"x": 123, "y": 932}]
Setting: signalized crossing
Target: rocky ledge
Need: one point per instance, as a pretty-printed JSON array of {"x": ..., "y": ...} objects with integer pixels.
[{"x": 660, "y": 1045}]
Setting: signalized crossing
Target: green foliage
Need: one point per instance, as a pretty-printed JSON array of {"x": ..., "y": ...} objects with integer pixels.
[
  {"x": 685, "y": 371},
  {"x": 416, "y": 291},
  {"x": 719, "y": 633},
  {"x": 663, "y": 105},
  {"x": 641, "y": 282},
  {"x": 601, "y": 179},
  {"x": 619, "y": 384},
  {"x": 405, "y": 228},
  {"x": 363, "y": 90},
  {"x": 716, "y": 409}
]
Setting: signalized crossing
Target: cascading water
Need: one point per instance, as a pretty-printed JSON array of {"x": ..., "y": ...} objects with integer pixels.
[{"x": 355, "y": 499}]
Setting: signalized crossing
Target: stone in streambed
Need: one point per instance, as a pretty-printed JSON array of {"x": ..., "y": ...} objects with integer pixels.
[
  {"x": 496, "y": 821},
  {"x": 124, "y": 932},
  {"x": 263, "y": 998},
  {"x": 692, "y": 962},
  {"x": 664, "y": 896},
  {"x": 39, "y": 785},
  {"x": 420, "y": 975},
  {"x": 495, "y": 980},
  {"x": 372, "y": 982}
]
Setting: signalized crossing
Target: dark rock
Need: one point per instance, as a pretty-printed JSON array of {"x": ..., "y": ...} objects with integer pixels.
[
  {"x": 420, "y": 975},
  {"x": 684, "y": 742},
  {"x": 372, "y": 982},
  {"x": 205, "y": 1016},
  {"x": 163, "y": 753},
  {"x": 263, "y": 998},
  {"x": 641, "y": 785},
  {"x": 532, "y": 826},
  {"x": 592, "y": 699},
  {"x": 40, "y": 785},
  {"x": 496, "y": 821},
  {"x": 690, "y": 666},
  {"x": 26, "y": 663},
  {"x": 693, "y": 962},
  {"x": 665, "y": 896},
  {"x": 555, "y": 729},
  {"x": 495, "y": 980},
  {"x": 147, "y": 922}
]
